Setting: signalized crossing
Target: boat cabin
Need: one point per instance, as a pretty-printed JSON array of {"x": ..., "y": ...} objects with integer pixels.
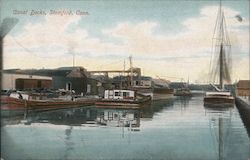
[{"x": 119, "y": 94}]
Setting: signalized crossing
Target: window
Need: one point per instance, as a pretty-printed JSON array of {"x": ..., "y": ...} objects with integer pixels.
[
  {"x": 137, "y": 83},
  {"x": 125, "y": 94},
  {"x": 88, "y": 88},
  {"x": 117, "y": 93},
  {"x": 110, "y": 115}
]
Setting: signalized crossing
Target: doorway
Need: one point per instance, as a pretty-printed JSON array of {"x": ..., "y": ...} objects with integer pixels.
[{"x": 68, "y": 86}]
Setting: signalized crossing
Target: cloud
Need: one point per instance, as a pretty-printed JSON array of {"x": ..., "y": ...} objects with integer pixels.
[{"x": 60, "y": 36}]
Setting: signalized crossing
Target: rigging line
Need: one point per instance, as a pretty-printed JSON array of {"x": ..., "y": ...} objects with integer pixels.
[
  {"x": 27, "y": 50},
  {"x": 222, "y": 28},
  {"x": 227, "y": 37},
  {"x": 226, "y": 31},
  {"x": 214, "y": 68},
  {"x": 229, "y": 55},
  {"x": 214, "y": 44},
  {"x": 216, "y": 23},
  {"x": 211, "y": 57}
]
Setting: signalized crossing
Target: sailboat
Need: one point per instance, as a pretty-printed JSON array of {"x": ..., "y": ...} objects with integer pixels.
[{"x": 221, "y": 65}]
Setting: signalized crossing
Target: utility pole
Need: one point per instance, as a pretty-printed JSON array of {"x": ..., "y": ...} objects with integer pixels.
[
  {"x": 73, "y": 59},
  {"x": 131, "y": 70},
  {"x": 124, "y": 67}
]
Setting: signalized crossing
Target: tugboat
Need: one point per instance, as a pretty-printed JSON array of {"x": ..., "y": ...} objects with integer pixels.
[{"x": 221, "y": 59}]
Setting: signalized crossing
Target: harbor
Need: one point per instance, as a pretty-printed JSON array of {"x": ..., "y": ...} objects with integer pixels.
[
  {"x": 163, "y": 130},
  {"x": 125, "y": 80}
]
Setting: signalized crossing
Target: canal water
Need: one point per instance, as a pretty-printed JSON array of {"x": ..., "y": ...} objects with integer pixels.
[{"x": 178, "y": 129}]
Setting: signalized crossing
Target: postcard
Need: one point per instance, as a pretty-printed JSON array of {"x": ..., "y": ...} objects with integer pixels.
[{"x": 125, "y": 80}]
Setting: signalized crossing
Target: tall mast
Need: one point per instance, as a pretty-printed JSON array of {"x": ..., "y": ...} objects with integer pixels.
[
  {"x": 73, "y": 59},
  {"x": 221, "y": 53},
  {"x": 131, "y": 71},
  {"x": 221, "y": 66}
]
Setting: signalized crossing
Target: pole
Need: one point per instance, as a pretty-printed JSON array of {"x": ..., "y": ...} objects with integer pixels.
[
  {"x": 124, "y": 66},
  {"x": 221, "y": 66},
  {"x": 131, "y": 70},
  {"x": 1, "y": 60},
  {"x": 73, "y": 59}
]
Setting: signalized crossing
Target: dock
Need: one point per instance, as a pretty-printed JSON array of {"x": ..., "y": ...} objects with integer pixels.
[{"x": 243, "y": 105}]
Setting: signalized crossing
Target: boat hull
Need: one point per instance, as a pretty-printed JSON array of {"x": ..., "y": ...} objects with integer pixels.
[
  {"x": 183, "y": 94},
  {"x": 215, "y": 101},
  {"x": 117, "y": 103},
  {"x": 157, "y": 96},
  {"x": 10, "y": 105},
  {"x": 123, "y": 103}
]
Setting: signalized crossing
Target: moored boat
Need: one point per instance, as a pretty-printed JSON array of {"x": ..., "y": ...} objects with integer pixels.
[
  {"x": 19, "y": 103},
  {"x": 222, "y": 99},
  {"x": 162, "y": 93},
  {"x": 182, "y": 92},
  {"x": 122, "y": 99},
  {"x": 221, "y": 66}
]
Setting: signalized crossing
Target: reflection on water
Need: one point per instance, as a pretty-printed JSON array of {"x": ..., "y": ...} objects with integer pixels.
[
  {"x": 220, "y": 126},
  {"x": 119, "y": 117},
  {"x": 180, "y": 129},
  {"x": 68, "y": 144}
]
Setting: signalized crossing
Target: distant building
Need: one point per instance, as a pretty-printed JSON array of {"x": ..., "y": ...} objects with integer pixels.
[
  {"x": 68, "y": 78},
  {"x": 11, "y": 81},
  {"x": 243, "y": 88}
]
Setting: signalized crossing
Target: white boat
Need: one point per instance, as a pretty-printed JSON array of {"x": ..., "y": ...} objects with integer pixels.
[{"x": 122, "y": 98}]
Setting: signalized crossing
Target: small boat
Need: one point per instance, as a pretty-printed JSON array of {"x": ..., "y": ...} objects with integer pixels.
[
  {"x": 221, "y": 62},
  {"x": 158, "y": 89},
  {"x": 122, "y": 99},
  {"x": 162, "y": 93},
  {"x": 182, "y": 92},
  {"x": 18, "y": 103}
]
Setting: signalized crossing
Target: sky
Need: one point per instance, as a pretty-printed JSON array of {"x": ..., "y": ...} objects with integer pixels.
[{"x": 167, "y": 39}]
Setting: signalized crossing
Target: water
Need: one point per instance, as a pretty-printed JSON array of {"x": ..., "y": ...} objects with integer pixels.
[{"x": 181, "y": 129}]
